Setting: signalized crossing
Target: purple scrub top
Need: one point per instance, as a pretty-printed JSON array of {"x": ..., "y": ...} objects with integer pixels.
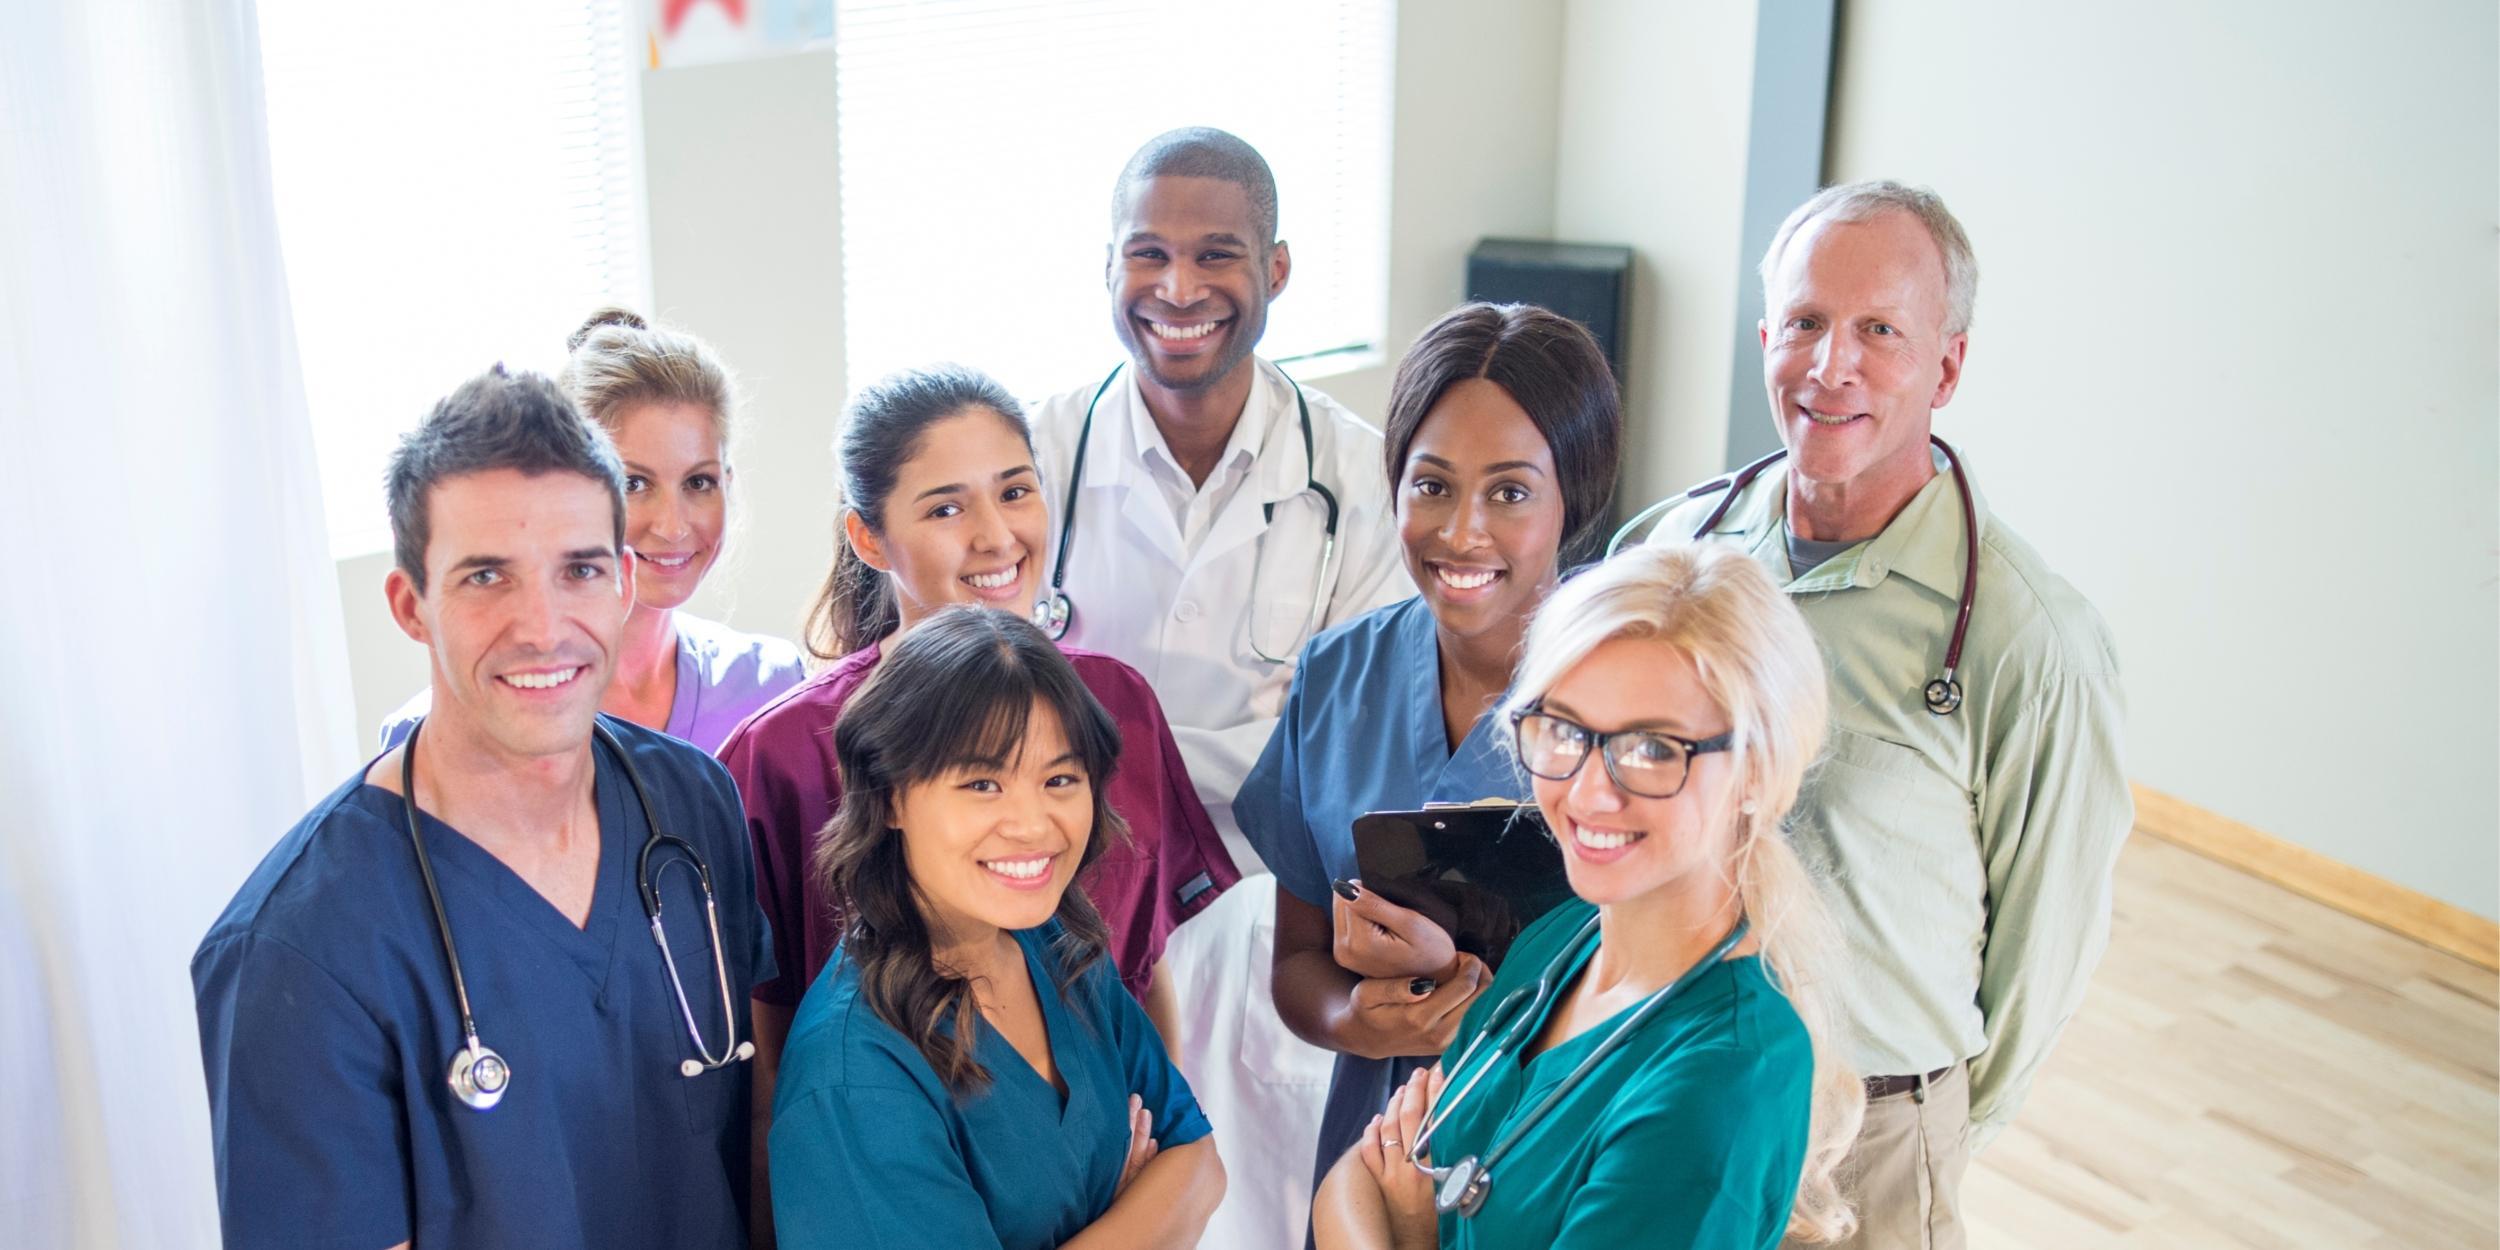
[{"x": 723, "y": 676}]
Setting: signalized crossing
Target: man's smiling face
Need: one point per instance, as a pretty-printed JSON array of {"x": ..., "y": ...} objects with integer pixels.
[{"x": 1190, "y": 275}]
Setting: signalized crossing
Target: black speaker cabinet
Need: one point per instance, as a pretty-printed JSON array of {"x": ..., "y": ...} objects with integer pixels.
[{"x": 1587, "y": 282}]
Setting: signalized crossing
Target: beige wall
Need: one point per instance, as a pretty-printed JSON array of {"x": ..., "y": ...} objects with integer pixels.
[
  {"x": 1651, "y": 153},
  {"x": 746, "y": 251},
  {"x": 2236, "y": 372}
]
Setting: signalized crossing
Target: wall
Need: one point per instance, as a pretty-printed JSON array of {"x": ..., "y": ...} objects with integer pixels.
[
  {"x": 746, "y": 251},
  {"x": 746, "y": 245},
  {"x": 2236, "y": 372},
  {"x": 1651, "y": 153}
]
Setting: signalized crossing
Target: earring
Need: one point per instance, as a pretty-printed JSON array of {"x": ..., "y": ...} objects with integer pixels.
[{"x": 1749, "y": 807}]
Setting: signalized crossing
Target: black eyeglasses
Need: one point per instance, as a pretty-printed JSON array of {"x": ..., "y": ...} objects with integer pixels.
[{"x": 1644, "y": 762}]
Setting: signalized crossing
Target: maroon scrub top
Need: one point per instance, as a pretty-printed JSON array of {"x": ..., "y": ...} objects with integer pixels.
[{"x": 790, "y": 783}]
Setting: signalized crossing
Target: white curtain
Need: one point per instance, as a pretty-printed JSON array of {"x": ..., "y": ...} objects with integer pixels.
[{"x": 173, "y": 676}]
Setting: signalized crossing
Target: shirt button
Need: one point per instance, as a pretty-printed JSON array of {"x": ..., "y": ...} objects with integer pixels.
[{"x": 1186, "y": 612}]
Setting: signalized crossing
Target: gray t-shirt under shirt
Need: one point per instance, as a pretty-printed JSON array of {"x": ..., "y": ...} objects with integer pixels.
[{"x": 1805, "y": 554}]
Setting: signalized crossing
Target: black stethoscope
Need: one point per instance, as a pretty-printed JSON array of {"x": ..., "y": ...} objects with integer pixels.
[
  {"x": 1462, "y": 1187},
  {"x": 1053, "y": 612},
  {"x": 1944, "y": 694},
  {"x": 478, "y": 1075}
]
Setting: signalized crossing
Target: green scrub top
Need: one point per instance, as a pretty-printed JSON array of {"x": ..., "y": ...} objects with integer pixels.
[{"x": 1691, "y": 1134}]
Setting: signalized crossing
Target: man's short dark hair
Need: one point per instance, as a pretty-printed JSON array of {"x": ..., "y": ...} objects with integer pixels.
[
  {"x": 1204, "y": 152},
  {"x": 496, "y": 420}
]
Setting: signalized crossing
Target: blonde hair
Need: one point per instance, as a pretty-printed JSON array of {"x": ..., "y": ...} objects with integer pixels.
[
  {"x": 1757, "y": 659},
  {"x": 620, "y": 360}
]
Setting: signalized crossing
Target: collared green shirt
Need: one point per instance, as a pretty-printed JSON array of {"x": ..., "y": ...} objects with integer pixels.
[{"x": 1967, "y": 858}]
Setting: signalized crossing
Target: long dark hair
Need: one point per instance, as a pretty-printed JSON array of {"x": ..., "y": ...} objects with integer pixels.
[
  {"x": 880, "y": 434},
  {"x": 1553, "y": 369},
  {"x": 957, "y": 690}
]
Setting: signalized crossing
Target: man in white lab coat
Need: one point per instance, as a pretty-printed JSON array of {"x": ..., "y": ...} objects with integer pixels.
[{"x": 1193, "y": 491}]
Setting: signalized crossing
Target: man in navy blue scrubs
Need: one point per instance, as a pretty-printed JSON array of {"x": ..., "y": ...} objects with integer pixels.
[{"x": 328, "y": 1016}]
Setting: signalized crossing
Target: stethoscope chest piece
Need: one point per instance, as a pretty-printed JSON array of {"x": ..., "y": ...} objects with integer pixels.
[
  {"x": 1463, "y": 1190},
  {"x": 1944, "y": 696},
  {"x": 479, "y": 1076},
  {"x": 1052, "y": 614}
]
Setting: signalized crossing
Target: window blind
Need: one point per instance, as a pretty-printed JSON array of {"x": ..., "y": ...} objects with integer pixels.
[
  {"x": 979, "y": 141},
  {"x": 457, "y": 183}
]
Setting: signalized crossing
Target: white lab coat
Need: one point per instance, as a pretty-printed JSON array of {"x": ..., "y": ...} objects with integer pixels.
[
  {"x": 1181, "y": 612},
  {"x": 1183, "y": 615}
]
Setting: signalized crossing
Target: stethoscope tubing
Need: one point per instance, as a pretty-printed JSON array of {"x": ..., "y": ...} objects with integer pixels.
[
  {"x": 1055, "y": 611},
  {"x": 474, "y": 1053},
  {"x": 1943, "y": 695},
  {"x": 1502, "y": 1029}
]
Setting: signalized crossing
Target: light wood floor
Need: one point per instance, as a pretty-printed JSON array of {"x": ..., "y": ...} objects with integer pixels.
[{"x": 2254, "y": 1069}]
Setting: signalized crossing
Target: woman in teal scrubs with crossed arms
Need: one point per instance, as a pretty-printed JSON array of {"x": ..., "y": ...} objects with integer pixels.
[
  {"x": 968, "y": 1071},
  {"x": 1652, "y": 1065},
  {"x": 1500, "y": 454}
]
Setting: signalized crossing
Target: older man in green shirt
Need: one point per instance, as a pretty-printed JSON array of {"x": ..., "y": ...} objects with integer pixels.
[{"x": 1967, "y": 852}]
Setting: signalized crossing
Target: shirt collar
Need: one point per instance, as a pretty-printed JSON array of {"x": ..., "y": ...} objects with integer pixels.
[
  {"x": 1258, "y": 412},
  {"x": 1924, "y": 542}
]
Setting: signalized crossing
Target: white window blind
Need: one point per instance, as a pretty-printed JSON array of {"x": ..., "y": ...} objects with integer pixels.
[
  {"x": 980, "y": 140},
  {"x": 457, "y": 183}
]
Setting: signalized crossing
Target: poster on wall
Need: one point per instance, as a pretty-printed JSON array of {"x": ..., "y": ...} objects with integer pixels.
[{"x": 707, "y": 32}]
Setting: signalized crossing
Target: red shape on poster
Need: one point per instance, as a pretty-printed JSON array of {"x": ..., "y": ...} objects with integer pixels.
[{"x": 673, "y": 12}]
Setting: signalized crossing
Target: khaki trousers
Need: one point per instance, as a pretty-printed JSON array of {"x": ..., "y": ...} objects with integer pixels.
[{"x": 1904, "y": 1176}]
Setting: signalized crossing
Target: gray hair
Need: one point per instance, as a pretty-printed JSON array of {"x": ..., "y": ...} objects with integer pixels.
[{"x": 1852, "y": 202}]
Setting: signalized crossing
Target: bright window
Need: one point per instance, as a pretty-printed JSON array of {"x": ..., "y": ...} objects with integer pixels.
[
  {"x": 458, "y": 183},
  {"x": 980, "y": 140}
]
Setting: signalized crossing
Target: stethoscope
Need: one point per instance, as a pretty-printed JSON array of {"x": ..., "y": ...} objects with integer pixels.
[
  {"x": 478, "y": 1075},
  {"x": 1053, "y": 611},
  {"x": 1944, "y": 694},
  {"x": 1462, "y": 1187}
]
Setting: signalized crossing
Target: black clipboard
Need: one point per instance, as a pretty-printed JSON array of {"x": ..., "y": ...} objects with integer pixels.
[{"x": 1481, "y": 872}]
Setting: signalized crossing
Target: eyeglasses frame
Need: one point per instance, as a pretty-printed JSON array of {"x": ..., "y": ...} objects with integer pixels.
[{"x": 1599, "y": 741}]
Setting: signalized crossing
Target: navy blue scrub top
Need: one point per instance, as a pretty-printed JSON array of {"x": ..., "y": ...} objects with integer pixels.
[
  {"x": 327, "y": 1024},
  {"x": 1363, "y": 732},
  {"x": 871, "y": 1150}
]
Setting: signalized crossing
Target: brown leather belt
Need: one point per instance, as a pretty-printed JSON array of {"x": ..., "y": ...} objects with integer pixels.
[{"x": 1895, "y": 1086}]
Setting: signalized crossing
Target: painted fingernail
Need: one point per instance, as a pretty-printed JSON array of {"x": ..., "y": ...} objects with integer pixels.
[
  {"x": 1346, "y": 890},
  {"x": 1421, "y": 986}
]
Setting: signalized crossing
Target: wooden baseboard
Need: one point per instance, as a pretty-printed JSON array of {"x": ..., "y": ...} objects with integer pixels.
[{"x": 2305, "y": 872}]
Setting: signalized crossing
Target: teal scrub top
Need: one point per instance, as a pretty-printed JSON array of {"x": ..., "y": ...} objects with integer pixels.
[
  {"x": 869, "y": 1149},
  {"x": 1691, "y": 1134}
]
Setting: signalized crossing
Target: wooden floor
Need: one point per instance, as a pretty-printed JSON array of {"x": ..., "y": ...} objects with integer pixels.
[{"x": 2254, "y": 1069}]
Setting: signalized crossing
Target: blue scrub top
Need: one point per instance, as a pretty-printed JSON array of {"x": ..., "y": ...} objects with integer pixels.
[
  {"x": 327, "y": 1024},
  {"x": 1363, "y": 732},
  {"x": 870, "y": 1149}
]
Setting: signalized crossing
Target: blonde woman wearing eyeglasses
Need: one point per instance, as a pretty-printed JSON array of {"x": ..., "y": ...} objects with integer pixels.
[{"x": 1653, "y": 1064}]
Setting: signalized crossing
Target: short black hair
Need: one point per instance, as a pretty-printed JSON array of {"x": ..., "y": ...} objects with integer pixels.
[
  {"x": 1204, "y": 152},
  {"x": 1552, "y": 367},
  {"x": 496, "y": 420}
]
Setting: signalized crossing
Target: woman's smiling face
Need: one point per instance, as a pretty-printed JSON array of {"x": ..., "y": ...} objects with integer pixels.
[
  {"x": 1619, "y": 846},
  {"x": 965, "y": 521},
  {"x": 1479, "y": 510},
  {"x": 676, "y": 497},
  {"x": 993, "y": 844}
]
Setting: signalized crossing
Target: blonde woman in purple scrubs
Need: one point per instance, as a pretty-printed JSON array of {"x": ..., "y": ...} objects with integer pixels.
[{"x": 666, "y": 401}]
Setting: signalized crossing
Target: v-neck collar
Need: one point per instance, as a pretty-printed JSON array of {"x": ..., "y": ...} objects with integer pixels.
[
  {"x": 1432, "y": 759},
  {"x": 1538, "y": 1073},
  {"x": 1004, "y": 1058},
  {"x": 462, "y": 865}
]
